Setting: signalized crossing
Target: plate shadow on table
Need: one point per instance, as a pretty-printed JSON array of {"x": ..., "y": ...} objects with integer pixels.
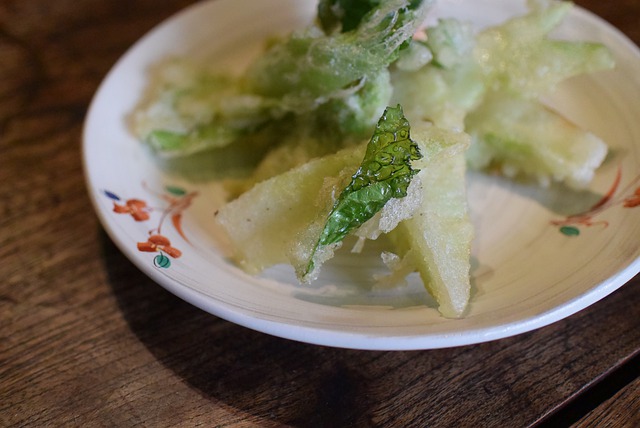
[{"x": 286, "y": 382}]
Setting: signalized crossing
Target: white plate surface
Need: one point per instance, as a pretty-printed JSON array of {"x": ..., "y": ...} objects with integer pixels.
[{"x": 526, "y": 272}]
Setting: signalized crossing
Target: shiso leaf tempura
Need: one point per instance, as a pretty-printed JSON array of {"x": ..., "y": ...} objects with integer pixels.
[{"x": 366, "y": 121}]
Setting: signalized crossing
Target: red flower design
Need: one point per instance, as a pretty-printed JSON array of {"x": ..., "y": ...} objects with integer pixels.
[
  {"x": 136, "y": 207},
  {"x": 633, "y": 201},
  {"x": 159, "y": 243}
]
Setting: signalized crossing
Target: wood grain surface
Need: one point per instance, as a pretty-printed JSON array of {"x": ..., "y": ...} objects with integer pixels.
[
  {"x": 87, "y": 340},
  {"x": 621, "y": 410}
]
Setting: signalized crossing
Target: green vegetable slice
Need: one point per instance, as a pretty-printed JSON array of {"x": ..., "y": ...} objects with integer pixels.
[{"x": 385, "y": 173}]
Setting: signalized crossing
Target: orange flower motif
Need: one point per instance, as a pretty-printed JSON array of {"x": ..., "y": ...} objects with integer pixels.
[
  {"x": 633, "y": 201},
  {"x": 136, "y": 207},
  {"x": 159, "y": 243}
]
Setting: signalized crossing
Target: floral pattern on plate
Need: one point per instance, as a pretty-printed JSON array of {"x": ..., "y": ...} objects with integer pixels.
[
  {"x": 177, "y": 200},
  {"x": 570, "y": 225}
]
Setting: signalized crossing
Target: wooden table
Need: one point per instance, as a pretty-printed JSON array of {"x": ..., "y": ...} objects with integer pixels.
[{"x": 88, "y": 340}]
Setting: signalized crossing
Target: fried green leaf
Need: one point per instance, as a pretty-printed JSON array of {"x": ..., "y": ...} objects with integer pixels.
[{"x": 385, "y": 173}]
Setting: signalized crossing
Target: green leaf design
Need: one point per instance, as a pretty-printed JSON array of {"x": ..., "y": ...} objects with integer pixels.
[
  {"x": 162, "y": 261},
  {"x": 570, "y": 231},
  {"x": 176, "y": 191},
  {"x": 385, "y": 173}
]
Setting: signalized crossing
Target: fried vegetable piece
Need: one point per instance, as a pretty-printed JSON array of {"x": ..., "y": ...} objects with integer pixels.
[
  {"x": 309, "y": 67},
  {"x": 511, "y": 129},
  {"x": 524, "y": 137},
  {"x": 440, "y": 238},
  {"x": 279, "y": 219},
  {"x": 520, "y": 57}
]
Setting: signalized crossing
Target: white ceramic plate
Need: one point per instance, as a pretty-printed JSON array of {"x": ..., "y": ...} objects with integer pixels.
[{"x": 527, "y": 271}]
